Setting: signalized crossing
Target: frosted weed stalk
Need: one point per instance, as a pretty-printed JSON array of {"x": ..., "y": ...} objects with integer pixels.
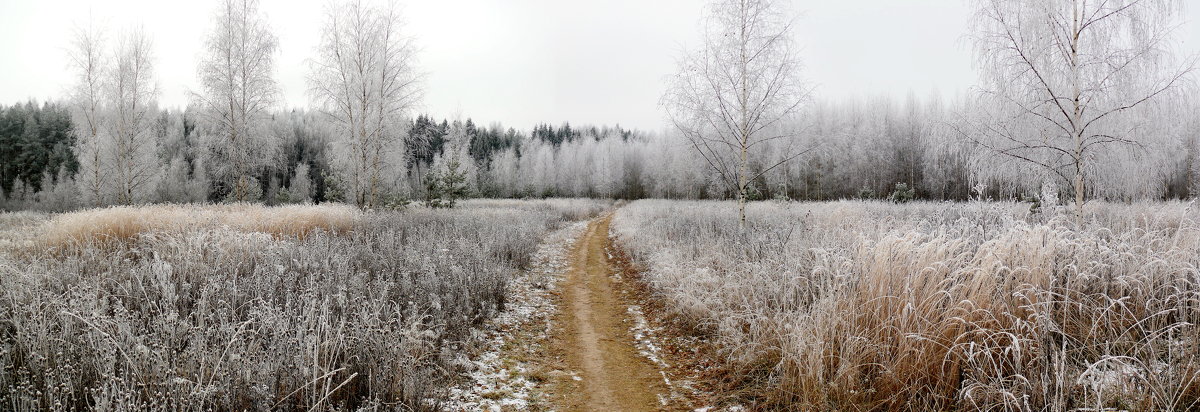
[
  {"x": 979, "y": 306},
  {"x": 231, "y": 317}
]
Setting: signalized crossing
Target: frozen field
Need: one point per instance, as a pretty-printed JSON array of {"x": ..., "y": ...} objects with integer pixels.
[
  {"x": 254, "y": 308},
  {"x": 844, "y": 305},
  {"x": 934, "y": 306}
]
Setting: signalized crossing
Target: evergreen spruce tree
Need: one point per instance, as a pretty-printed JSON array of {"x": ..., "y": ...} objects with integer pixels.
[{"x": 445, "y": 186}]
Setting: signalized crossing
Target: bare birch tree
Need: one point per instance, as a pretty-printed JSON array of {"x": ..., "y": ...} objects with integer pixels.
[
  {"x": 364, "y": 79},
  {"x": 739, "y": 91},
  {"x": 87, "y": 113},
  {"x": 238, "y": 91},
  {"x": 132, "y": 95},
  {"x": 1072, "y": 77}
]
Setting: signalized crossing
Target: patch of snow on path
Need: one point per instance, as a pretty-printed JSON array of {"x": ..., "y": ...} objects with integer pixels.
[{"x": 494, "y": 381}]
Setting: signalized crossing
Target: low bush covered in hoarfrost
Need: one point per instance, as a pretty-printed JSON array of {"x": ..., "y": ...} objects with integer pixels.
[
  {"x": 929, "y": 306},
  {"x": 253, "y": 308}
]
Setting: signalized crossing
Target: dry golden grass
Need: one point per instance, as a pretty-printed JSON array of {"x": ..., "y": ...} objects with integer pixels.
[
  {"x": 976, "y": 306},
  {"x": 119, "y": 224}
]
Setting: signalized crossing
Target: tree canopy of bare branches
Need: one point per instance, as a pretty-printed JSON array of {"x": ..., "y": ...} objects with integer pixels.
[
  {"x": 364, "y": 78},
  {"x": 133, "y": 94},
  {"x": 238, "y": 91},
  {"x": 735, "y": 95},
  {"x": 1067, "y": 79},
  {"x": 87, "y": 113}
]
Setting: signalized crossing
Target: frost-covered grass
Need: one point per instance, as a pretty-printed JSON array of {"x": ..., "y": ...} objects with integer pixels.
[
  {"x": 234, "y": 308},
  {"x": 929, "y": 306}
]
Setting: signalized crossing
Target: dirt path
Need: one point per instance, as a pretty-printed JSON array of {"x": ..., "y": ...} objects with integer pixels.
[{"x": 605, "y": 371}]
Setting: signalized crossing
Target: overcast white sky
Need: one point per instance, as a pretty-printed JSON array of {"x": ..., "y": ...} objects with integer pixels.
[{"x": 519, "y": 62}]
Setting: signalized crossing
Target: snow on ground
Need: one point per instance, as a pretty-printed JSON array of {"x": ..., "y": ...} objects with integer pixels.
[
  {"x": 644, "y": 337},
  {"x": 497, "y": 378}
]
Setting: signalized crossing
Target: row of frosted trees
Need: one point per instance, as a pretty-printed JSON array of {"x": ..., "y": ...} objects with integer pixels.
[
  {"x": 864, "y": 148},
  {"x": 1082, "y": 96},
  {"x": 361, "y": 79},
  {"x": 47, "y": 176},
  {"x": 1112, "y": 118}
]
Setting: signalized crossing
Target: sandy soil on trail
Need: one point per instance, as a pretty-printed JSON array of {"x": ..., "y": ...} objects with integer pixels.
[
  {"x": 580, "y": 332},
  {"x": 604, "y": 371}
]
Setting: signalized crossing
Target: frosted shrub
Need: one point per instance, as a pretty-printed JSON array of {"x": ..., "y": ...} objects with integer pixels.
[
  {"x": 230, "y": 317},
  {"x": 976, "y": 306}
]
